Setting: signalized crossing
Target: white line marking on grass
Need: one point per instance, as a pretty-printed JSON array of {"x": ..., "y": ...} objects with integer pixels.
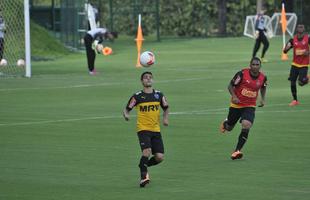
[
  {"x": 204, "y": 112},
  {"x": 61, "y": 87},
  {"x": 199, "y": 112},
  {"x": 300, "y": 191},
  {"x": 96, "y": 85},
  {"x": 214, "y": 111},
  {"x": 297, "y": 130},
  {"x": 282, "y": 111},
  {"x": 60, "y": 120}
]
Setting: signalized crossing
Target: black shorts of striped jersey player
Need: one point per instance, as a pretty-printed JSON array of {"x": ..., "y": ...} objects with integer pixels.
[{"x": 148, "y": 103}]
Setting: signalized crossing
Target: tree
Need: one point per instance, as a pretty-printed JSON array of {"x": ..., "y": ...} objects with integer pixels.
[
  {"x": 259, "y": 5},
  {"x": 222, "y": 16}
]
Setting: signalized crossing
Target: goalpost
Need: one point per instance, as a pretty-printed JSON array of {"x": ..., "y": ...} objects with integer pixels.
[
  {"x": 272, "y": 24},
  {"x": 15, "y": 31},
  {"x": 249, "y": 26}
]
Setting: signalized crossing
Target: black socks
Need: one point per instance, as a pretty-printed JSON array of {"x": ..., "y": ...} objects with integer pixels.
[
  {"x": 242, "y": 138},
  {"x": 152, "y": 162},
  {"x": 143, "y": 166},
  {"x": 294, "y": 91}
]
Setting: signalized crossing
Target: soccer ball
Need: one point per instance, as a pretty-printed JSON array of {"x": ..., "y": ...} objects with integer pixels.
[
  {"x": 20, "y": 62},
  {"x": 3, "y": 62},
  {"x": 99, "y": 48},
  {"x": 147, "y": 59}
]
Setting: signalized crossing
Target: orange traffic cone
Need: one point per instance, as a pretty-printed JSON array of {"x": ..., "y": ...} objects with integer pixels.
[
  {"x": 107, "y": 51},
  {"x": 139, "y": 40}
]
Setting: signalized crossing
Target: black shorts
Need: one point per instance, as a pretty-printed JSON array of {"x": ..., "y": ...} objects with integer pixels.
[
  {"x": 300, "y": 73},
  {"x": 153, "y": 140},
  {"x": 235, "y": 114}
]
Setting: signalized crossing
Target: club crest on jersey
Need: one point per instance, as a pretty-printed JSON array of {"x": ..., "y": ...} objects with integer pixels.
[
  {"x": 238, "y": 79},
  {"x": 156, "y": 96},
  {"x": 132, "y": 102}
]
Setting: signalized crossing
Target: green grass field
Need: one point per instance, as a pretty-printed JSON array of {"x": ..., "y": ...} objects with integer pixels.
[{"x": 63, "y": 138}]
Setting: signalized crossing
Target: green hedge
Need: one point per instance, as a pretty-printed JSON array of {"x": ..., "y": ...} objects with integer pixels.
[{"x": 44, "y": 46}]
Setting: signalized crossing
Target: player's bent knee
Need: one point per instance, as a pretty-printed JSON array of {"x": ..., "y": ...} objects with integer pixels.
[
  {"x": 246, "y": 124},
  {"x": 303, "y": 82},
  {"x": 228, "y": 127},
  {"x": 159, "y": 157},
  {"x": 147, "y": 152}
]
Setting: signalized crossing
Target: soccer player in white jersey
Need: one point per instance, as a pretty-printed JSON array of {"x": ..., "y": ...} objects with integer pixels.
[
  {"x": 260, "y": 31},
  {"x": 98, "y": 34}
]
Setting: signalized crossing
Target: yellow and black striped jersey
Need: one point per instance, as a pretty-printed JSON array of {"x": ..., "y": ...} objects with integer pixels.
[{"x": 148, "y": 112}]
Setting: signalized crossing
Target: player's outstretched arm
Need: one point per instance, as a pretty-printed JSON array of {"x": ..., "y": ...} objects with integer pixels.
[
  {"x": 234, "y": 97},
  {"x": 165, "y": 117},
  {"x": 126, "y": 114},
  {"x": 288, "y": 46},
  {"x": 263, "y": 94}
]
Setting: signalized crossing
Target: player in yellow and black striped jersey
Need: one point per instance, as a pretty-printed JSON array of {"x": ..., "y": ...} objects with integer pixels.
[{"x": 148, "y": 103}]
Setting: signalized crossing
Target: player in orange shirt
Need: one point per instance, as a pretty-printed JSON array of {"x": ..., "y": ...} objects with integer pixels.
[{"x": 244, "y": 89}]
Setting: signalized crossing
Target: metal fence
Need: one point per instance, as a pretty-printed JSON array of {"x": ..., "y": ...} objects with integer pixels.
[
  {"x": 46, "y": 13},
  {"x": 65, "y": 18},
  {"x": 72, "y": 22},
  {"x": 68, "y": 20}
]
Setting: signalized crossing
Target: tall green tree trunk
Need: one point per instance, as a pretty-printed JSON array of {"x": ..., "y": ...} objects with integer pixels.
[
  {"x": 259, "y": 5},
  {"x": 222, "y": 17}
]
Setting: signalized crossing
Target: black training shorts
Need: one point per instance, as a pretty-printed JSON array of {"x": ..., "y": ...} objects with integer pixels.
[
  {"x": 300, "y": 72},
  {"x": 235, "y": 114},
  {"x": 153, "y": 140}
]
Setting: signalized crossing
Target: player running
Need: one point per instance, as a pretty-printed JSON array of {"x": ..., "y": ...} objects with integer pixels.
[
  {"x": 244, "y": 88},
  {"x": 299, "y": 69}
]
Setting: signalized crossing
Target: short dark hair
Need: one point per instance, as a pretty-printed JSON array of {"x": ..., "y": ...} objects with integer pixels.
[
  {"x": 256, "y": 58},
  {"x": 110, "y": 35},
  {"x": 147, "y": 72}
]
